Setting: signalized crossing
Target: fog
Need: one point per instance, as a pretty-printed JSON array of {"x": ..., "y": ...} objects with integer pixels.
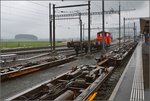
[{"x": 31, "y": 17}]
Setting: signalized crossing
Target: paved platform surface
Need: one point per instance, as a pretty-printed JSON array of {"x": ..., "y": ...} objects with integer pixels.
[{"x": 131, "y": 84}]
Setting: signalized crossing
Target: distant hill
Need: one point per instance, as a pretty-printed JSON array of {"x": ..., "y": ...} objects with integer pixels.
[{"x": 26, "y": 37}]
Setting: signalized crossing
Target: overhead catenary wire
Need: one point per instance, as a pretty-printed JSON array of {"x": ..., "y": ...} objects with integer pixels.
[
  {"x": 32, "y": 15},
  {"x": 23, "y": 10},
  {"x": 22, "y": 13},
  {"x": 9, "y": 18},
  {"x": 23, "y": 16},
  {"x": 36, "y": 13},
  {"x": 98, "y": 9},
  {"x": 15, "y": 21},
  {"x": 37, "y": 3}
]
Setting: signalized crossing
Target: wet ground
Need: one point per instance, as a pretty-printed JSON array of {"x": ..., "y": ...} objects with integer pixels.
[
  {"x": 17, "y": 85},
  {"x": 22, "y": 59}
]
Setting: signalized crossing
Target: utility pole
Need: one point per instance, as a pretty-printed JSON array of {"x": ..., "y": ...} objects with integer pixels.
[
  {"x": 134, "y": 31},
  {"x": 69, "y": 6},
  {"x": 134, "y": 18},
  {"x": 80, "y": 22},
  {"x": 89, "y": 27},
  {"x": 124, "y": 30},
  {"x": 83, "y": 31},
  {"x": 50, "y": 26},
  {"x": 119, "y": 23},
  {"x": 53, "y": 27},
  {"x": 103, "y": 22}
]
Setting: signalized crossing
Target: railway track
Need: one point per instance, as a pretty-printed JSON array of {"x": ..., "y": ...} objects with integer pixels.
[
  {"x": 106, "y": 89},
  {"x": 29, "y": 67},
  {"x": 26, "y": 68},
  {"x": 92, "y": 92},
  {"x": 81, "y": 83},
  {"x": 27, "y": 49},
  {"x": 20, "y": 58},
  {"x": 28, "y": 53},
  {"x": 29, "y": 59},
  {"x": 12, "y": 72},
  {"x": 22, "y": 52}
]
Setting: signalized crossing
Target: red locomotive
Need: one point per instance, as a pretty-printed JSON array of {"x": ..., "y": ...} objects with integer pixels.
[
  {"x": 107, "y": 38},
  {"x": 95, "y": 44}
]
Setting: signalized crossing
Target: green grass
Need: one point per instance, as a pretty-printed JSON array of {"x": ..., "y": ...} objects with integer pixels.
[{"x": 25, "y": 44}]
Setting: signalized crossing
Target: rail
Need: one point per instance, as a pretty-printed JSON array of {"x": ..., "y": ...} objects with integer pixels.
[
  {"x": 135, "y": 90},
  {"x": 81, "y": 83}
]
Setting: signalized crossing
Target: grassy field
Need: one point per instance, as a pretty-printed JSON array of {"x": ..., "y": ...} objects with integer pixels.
[{"x": 25, "y": 44}]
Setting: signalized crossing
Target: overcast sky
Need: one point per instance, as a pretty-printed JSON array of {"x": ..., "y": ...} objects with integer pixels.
[{"x": 31, "y": 17}]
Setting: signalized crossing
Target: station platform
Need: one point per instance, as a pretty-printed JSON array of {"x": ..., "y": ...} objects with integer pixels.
[{"x": 130, "y": 87}]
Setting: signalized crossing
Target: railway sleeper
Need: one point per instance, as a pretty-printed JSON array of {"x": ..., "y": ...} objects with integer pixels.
[{"x": 83, "y": 83}]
